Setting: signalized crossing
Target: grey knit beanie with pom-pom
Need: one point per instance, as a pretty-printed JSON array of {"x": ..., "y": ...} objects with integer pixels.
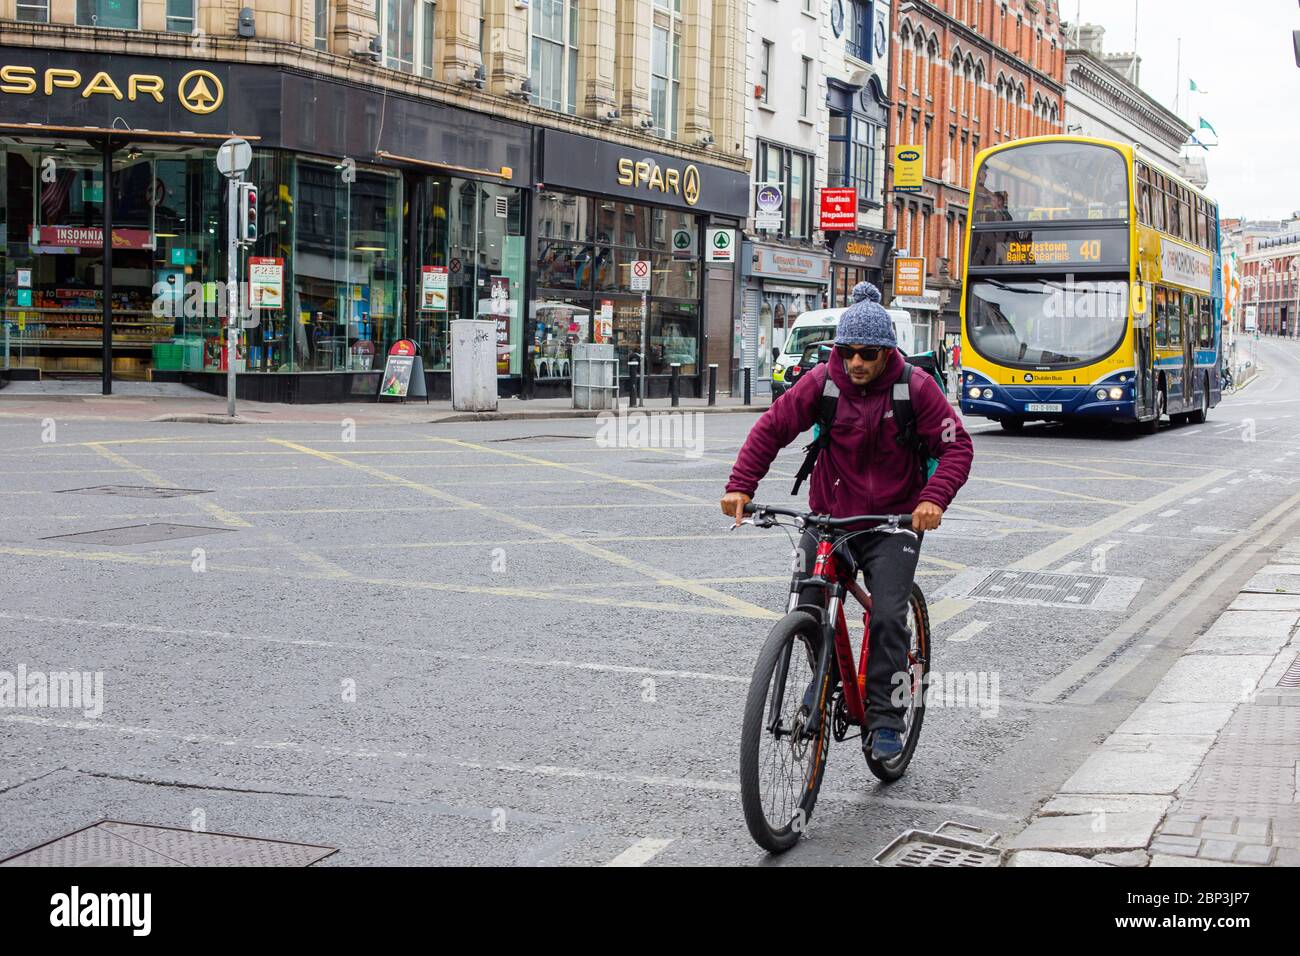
[{"x": 866, "y": 322}]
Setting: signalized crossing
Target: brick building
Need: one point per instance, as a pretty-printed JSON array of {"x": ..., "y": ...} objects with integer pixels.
[{"x": 965, "y": 74}]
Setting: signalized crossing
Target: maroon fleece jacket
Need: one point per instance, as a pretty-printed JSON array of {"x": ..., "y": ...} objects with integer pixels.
[{"x": 863, "y": 470}]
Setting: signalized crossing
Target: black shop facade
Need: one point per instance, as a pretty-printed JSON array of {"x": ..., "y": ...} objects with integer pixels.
[{"x": 380, "y": 217}]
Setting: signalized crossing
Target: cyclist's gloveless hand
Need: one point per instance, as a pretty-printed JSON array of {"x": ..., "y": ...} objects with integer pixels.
[
  {"x": 927, "y": 516},
  {"x": 733, "y": 504}
]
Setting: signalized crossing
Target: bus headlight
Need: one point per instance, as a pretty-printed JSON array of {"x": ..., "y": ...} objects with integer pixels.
[
  {"x": 1116, "y": 394},
  {"x": 1101, "y": 394},
  {"x": 988, "y": 393},
  {"x": 975, "y": 392}
]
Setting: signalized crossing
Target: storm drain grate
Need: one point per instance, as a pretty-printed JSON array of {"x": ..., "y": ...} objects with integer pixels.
[
  {"x": 136, "y": 534},
  {"x": 135, "y": 491},
  {"x": 115, "y": 843},
  {"x": 1292, "y": 676},
  {"x": 924, "y": 848},
  {"x": 1043, "y": 588}
]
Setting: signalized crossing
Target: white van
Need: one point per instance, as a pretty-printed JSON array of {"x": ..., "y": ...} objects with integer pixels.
[{"x": 819, "y": 326}]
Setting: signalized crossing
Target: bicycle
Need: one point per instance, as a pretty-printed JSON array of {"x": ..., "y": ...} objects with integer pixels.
[{"x": 809, "y": 648}]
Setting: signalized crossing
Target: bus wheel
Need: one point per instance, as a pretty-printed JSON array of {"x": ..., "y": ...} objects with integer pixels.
[
  {"x": 1012, "y": 426},
  {"x": 1203, "y": 412}
]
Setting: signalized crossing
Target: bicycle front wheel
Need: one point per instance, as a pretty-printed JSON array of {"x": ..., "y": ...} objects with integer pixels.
[{"x": 781, "y": 761}]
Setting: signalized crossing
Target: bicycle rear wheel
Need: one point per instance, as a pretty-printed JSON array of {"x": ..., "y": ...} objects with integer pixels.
[
  {"x": 918, "y": 666},
  {"x": 781, "y": 766}
]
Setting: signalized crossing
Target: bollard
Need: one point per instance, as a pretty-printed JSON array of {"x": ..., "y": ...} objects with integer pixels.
[
  {"x": 634, "y": 371},
  {"x": 675, "y": 384},
  {"x": 747, "y": 373},
  {"x": 713, "y": 384}
]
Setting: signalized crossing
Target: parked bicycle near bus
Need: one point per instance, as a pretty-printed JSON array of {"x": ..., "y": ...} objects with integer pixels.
[{"x": 886, "y": 443}]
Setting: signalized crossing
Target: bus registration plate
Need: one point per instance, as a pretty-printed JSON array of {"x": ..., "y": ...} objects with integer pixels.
[{"x": 1050, "y": 407}]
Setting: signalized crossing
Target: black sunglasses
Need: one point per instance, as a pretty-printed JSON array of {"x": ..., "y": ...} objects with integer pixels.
[{"x": 847, "y": 352}]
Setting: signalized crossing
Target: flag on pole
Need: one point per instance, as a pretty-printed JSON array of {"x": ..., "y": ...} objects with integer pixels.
[
  {"x": 1197, "y": 142},
  {"x": 1195, "y": 88},
  {"x": 1206, "y": 125}
]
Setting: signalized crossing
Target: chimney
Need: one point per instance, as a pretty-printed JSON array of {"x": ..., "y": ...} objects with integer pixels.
[{"x": 1089, "y": 38}]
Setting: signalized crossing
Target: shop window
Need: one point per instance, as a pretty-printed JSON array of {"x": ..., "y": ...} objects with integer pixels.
[
  {"x": 470, "y": 235},
  {"x": 116, "y": 14},
  {"x": 555, "y": 54},
  {"x": 34, "y": 11},
  {"x": 180, "y": 16}
]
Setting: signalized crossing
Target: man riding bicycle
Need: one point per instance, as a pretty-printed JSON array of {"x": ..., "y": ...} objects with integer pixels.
[{"x": 863, "y": 468}]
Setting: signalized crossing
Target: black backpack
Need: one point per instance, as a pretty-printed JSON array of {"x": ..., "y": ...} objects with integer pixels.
[{"x": 903, "y": 417}]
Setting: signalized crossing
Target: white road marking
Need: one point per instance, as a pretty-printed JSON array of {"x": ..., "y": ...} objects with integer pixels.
[
  {"x": 1235, "y": 481},
  {"x": 1193, "y": 501},
  {"x": 1215, "y": 491},
  {"x": 374, "y": 649},
  {"x": 535, "y": 770},
  {"x": 1069, "y": 567},
  {"x": 640, "y": 852},
  {"x": 969, "y": 631},
  {"x": 1168, "y": 514},
  {"x": 1138, "y": 528}
]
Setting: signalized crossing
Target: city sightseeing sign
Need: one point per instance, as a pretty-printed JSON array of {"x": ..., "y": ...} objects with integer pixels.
[{"x": 199, "y": 91}]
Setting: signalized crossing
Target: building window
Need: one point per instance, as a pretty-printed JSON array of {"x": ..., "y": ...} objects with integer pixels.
[
  {"x": 765, "y": 69},
  {"x": 322, "y": 26},
  {"x": 555, "y": 54},
  {"x": 859, "y": 41},
  {"x": 664, "y": 81},
  {"x": 852, "y": 157},
  {"x": 426, "y": 37},
  {"x": 180, "y": 16},
  {"x": 34, "y": 11},
  {"x": 794, "y": 173},
  {"x": 402, "y": 21},
  {"x": 117, "y": 14},
  {"x": 805, "y": 83}
]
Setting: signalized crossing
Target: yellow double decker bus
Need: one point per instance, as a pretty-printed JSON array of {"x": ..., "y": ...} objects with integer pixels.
[{"x": 1092, "y": 287}]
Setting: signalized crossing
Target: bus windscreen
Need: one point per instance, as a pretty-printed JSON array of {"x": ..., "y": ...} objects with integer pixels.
[
  {"x": 1044, "y": 323},
  {"x": 1052, "y": 181}
]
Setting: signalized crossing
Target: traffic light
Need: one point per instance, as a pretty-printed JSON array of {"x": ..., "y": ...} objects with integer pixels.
[{"x": 247, "y": 213}]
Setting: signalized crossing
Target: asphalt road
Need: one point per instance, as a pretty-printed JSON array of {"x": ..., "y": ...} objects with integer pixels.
[{"x": 506, "y": 643}]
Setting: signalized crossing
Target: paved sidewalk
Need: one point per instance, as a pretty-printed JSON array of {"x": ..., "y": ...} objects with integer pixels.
[
  {"x": 1205, "y": 771},
  {"x": 159, "y": 401}
]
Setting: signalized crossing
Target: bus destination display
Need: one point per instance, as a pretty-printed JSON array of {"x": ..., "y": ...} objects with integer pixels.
[{"x": 1050, "y": 247}]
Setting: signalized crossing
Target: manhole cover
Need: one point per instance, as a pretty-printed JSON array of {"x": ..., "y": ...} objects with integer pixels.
[
  {"x": 136, "y": 534},
  {"x": 923, "y": 848},
  {"x": 1044, "y": 589},
  {"x": 114, "y": 843},
  {"x": 135, "y": 491}
]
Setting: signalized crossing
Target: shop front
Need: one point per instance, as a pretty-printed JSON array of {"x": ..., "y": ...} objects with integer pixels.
[
  {"x": 600, "y": 209},
  {"x": 927, "y": 321},
  {"x": 857, "y": 257},
  {"x": 780, "y": 283},
  {"x": 362, "y": 196}
]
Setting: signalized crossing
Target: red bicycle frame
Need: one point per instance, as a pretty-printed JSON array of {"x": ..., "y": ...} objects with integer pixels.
[{"x": 852, "y": 680}]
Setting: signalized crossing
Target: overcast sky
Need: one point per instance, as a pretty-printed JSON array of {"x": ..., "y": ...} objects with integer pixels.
[{"x": 1241, "y": 54}]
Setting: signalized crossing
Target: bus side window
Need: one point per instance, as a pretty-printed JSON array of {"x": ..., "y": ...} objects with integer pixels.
[
  {"x": 1158, "y": 204},
  {"x": 1162, "y": 325},
  {"x": 1173, "y": 313},
  {"x": 1207, "y": 325},
  {"x": 1189, "y": 318}
]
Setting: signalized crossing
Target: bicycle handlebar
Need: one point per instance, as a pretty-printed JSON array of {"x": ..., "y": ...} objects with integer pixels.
[{"x": 826, "y": 521}]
